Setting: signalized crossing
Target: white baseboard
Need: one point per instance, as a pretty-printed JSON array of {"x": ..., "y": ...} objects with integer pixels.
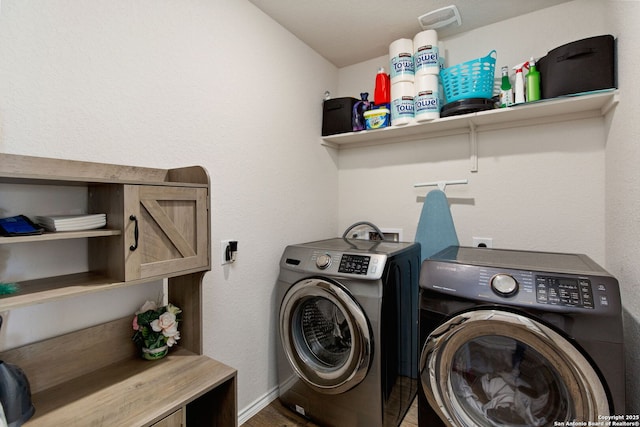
[{"x": 258, "y": 405}]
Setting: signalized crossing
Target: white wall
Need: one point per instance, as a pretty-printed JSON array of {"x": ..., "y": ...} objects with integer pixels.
[
  {"x": 171, "y": 83},
  {"x": 623, "y": 188},
  {"x": 562, "y": 187},
  {"x": 174, "y": 83},
  {"x": 532, "y": 182}
]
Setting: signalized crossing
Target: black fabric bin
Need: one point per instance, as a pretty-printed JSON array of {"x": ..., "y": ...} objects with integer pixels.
[
  {"x": 337, "y": 115},
  {"x": 580, "y": 66}
]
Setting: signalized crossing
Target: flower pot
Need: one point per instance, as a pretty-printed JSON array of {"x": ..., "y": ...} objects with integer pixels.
[{"x": 154, "y": 353}]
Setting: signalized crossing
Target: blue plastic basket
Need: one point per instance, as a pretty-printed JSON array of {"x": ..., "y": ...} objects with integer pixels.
[{"x": 471, "y": 79}]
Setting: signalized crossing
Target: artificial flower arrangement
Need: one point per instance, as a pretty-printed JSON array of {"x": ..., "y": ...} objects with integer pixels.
[{"x": 156, "y": 328}]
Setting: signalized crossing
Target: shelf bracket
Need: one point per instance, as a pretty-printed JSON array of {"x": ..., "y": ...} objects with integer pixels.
[
  {"x": 473, "y": 146},
  {"x": 610, "y": 104}
]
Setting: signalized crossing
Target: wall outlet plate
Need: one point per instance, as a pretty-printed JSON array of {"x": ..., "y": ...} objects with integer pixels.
[
  {"x": 483, "y": 242},
  {"x": 227, "y": 256}
]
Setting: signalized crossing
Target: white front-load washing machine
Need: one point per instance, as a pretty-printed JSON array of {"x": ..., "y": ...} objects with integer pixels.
[{"x": 348, "y": 330}]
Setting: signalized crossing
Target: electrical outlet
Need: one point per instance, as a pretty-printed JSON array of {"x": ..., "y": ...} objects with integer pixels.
[
  {"x": 483, "y": 242},
  {"x": 228, "y": 250}
]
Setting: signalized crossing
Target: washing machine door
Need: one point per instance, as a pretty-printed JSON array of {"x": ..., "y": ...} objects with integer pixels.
[
  {"x": 498, "y": 368},
  {"x": 325, "y": 335}
]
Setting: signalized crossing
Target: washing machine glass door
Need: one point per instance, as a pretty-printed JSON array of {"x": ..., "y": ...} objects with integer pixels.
[
  {"x": 498, "y": 368},
  {"x": 325, "y": 335}
]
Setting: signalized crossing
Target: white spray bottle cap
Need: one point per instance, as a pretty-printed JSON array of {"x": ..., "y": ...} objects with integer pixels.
[{"x": 519, "y": 67}]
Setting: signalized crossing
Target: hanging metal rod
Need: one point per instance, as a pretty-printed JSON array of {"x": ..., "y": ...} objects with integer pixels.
[{"x": 441, "y": 184}]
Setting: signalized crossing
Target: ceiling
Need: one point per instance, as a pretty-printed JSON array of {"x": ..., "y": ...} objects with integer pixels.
[{"x": 347, "y": 32}]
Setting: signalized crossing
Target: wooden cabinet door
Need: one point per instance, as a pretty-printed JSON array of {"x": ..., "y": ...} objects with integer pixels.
[
  {"x": 173, "y": 420},
  {"x": 166, "y": 230}
]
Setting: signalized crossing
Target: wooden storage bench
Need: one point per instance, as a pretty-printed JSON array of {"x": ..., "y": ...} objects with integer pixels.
[{"x": 158, "y": 227}]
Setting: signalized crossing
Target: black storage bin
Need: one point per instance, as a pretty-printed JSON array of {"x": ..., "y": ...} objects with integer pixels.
[
  {"x": 337, "y": 115},
  {"x": 580, "y": 66}
]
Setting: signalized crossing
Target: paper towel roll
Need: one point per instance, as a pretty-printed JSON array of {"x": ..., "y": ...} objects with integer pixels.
[
  {"x": 401, "y": 61},
  {"x": 427, "y": 99},
  {"x": 402, "y": 103},
  {"x": 425, "y": 53}
]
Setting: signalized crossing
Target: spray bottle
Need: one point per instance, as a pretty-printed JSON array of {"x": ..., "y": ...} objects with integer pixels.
[
  {"x": 506, "y": 91},
  {"x": 519, "y": 90},
  {"x": 533, "y": 82}
]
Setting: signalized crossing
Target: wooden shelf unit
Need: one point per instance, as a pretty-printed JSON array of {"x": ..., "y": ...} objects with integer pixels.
[{"x": 94, "y": 376}]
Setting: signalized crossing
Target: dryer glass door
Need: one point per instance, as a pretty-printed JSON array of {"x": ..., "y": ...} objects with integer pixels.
[
  {"x": 325, "y": 335},
  {"x": 498, "y": 368}
]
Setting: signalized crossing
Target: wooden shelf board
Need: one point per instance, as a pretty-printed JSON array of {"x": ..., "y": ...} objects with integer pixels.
[
  {"x": 49, "y": 289},
  {"x": 53, "y": 288},
  {"x": 545, "y": 111},
  {"x": 60, "y": 235},
  {"x": 40, "y": 170},
  {"x": 130, "y": 392},
  {"x": 31, "y": 179}
]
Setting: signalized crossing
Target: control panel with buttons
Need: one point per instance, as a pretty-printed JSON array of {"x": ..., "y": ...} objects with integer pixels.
[
  {"x": 523, "y": 279},
  {"x": 573, "y": 292},
  {"x": 347, "y": 264}
]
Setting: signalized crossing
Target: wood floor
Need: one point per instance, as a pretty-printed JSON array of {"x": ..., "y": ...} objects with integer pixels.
[{"x": 276, "y": 415}]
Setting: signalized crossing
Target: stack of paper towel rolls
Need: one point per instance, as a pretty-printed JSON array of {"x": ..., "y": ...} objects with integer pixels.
[{"x": 415, "y": 68}]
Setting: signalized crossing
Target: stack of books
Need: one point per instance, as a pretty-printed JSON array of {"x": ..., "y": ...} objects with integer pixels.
[{"x": 72, "y": 222}]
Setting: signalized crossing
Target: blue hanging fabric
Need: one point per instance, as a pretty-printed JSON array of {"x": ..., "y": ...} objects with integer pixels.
[{"x": 436, "y": 230}]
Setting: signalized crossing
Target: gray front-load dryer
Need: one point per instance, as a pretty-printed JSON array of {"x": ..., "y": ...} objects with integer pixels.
[
  {"x": 519, "y": 339},
  {"x": 348, "y": 330}
]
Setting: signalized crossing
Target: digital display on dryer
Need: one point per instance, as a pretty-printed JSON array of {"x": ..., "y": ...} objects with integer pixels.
[{"x": 354, "y": 264}]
